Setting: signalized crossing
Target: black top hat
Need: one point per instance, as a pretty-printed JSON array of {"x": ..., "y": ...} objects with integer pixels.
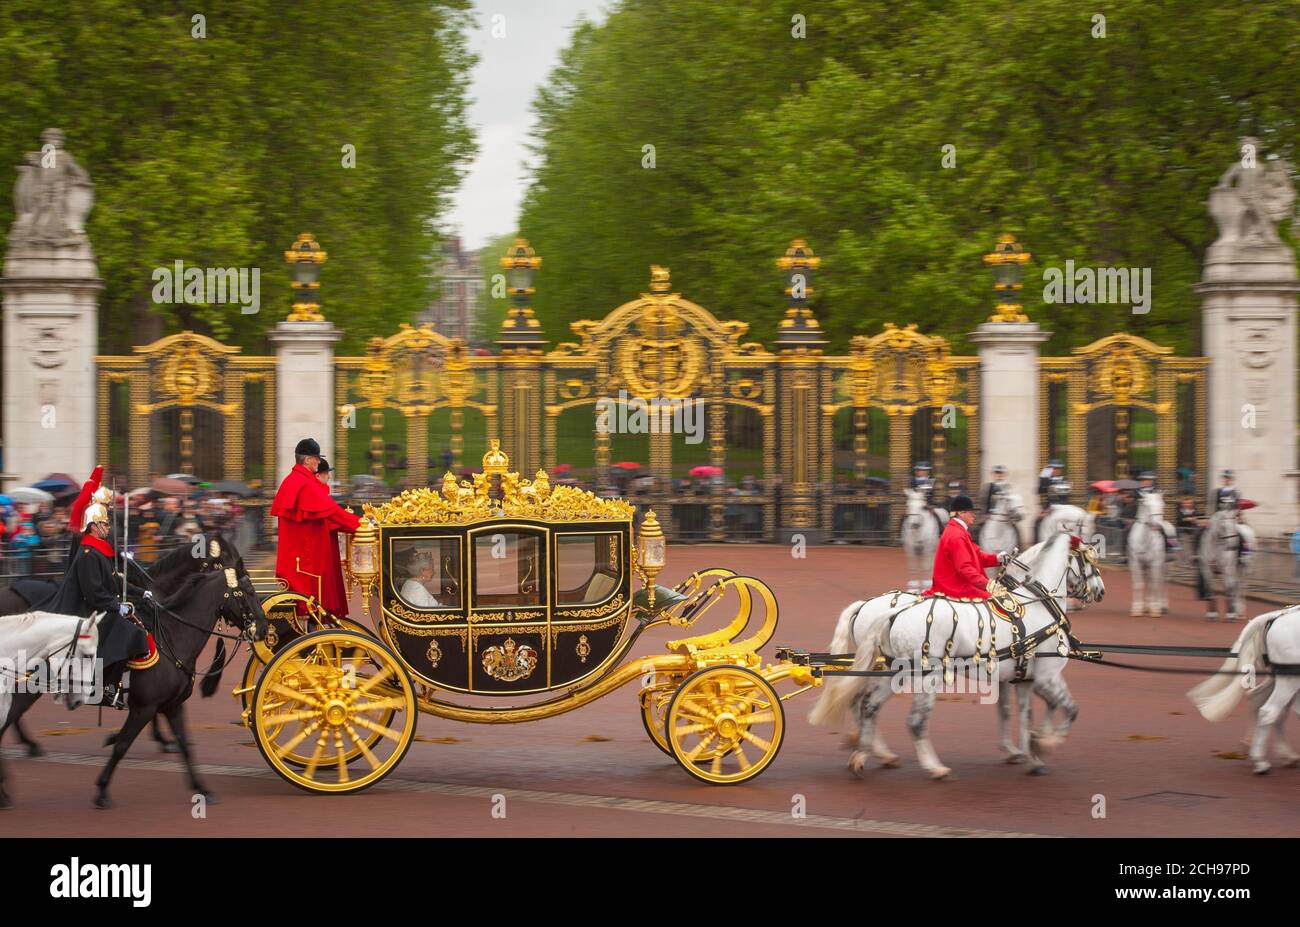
[
  {"x": 307, "y": 447},
  {"x": 962, "y": 504}
]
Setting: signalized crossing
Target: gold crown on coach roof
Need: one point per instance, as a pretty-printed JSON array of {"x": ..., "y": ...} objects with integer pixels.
[{"x": 465, "y": 501}]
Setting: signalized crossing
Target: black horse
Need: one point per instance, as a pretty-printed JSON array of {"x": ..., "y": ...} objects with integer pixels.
[
  {"x": 163, "y": 578},
  {"x": 181, "y": 624}
]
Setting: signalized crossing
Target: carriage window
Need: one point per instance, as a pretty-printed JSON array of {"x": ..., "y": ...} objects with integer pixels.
[
  {"x": 589, "y": 567},
  {"x": 426, "y": 572},
  {"x": 507, "y": 569}
]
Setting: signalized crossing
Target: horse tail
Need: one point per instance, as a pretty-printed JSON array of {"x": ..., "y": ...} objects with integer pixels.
[
  {"x": 208, "y": 687},
  {"x": 840, "y": 694},
  {"x": 1217, "y": 696}
]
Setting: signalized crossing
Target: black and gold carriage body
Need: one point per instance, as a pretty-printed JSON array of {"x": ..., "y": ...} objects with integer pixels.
[
  {"x": 502, "y": 586},
  {"x": 514, "y": 606}
]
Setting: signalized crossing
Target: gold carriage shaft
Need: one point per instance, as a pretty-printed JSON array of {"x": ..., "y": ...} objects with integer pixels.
[{"x": 506, "y": 586}]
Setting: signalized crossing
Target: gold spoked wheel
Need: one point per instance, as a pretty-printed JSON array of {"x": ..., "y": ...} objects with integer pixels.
[
  {"x": 654, "y": 700},
  {"x": 329, "y": 697},
  {"x": 725, "y": 724}
]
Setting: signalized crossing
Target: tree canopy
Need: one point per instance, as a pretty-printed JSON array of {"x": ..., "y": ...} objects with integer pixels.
[
  {"x": 1097, "y": 148},
  {"x": 218, "y": 150}
]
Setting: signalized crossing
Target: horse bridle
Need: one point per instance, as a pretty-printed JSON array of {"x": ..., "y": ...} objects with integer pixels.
[
  {"x": 247, "y": 618},
  {"x": 68, "y": 650}
]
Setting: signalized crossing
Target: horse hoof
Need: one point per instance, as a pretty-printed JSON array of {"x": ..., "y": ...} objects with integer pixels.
[
  {"x": 1015, "y": 758},
  {"x": 889, "y": 761},
  {"x": 1038, "y": 771},
  {"x": 858, "y": 763},
  {"x": 1261, "y": 768},
  {"x": 35, "y": 750},
  {"x": 169, "y": 747},
  {"x": 103, "y": 802},
  {"x": 940, "y": 773}
]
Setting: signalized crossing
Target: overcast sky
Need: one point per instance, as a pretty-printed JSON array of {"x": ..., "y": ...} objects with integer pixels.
[{"x": 504, "y": 81}]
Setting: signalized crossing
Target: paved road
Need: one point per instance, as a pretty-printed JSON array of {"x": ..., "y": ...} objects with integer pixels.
[{"x": 1138, "y": 743}]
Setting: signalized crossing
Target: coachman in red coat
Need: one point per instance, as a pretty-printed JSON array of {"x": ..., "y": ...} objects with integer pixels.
[
  {"x": 308, "y": 518},
  {"x": 958, "y": 561}
]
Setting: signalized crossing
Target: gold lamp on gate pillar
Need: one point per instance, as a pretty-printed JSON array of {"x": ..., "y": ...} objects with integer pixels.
[
  {"x": 1006, "y": 259},
  {"x": 799, "y": 330},
  {"x": 305, "y": 259},
  {"x": 520, "y": 332}
]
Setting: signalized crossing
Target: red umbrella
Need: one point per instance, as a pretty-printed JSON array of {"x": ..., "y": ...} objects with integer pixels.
[
  {"x": 627, "y": 465},
  {"x": 562, "y": 468},
  {"x": 1246, "y": 505},
  {"x": 706, "y": 470},
  {"x": 1104, "y": 486},
  {"x": 171, "y": 487}
]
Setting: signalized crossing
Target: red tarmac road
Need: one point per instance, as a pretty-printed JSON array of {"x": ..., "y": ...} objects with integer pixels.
[{"x": 1138, "y": 744}]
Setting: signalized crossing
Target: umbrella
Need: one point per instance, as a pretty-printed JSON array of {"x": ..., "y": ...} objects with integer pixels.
[
  {"x": 1127, "y": 484},
  {"x": 55, "y": 486},
  {"x": 627, "y": 465},
  {"x": 705, "y": 470},
  {"x": 30, "y": 494},
  {"x": 562, "y": 468},
  {"x": 184, "y": 478},
  {"x": 170, "y": 487},
  {"x": 1104, "y": 486},
  {"x": 1246, "y": 505},
  {"x": 237, "y": 487},
  {"x": 5, "y": 500}
]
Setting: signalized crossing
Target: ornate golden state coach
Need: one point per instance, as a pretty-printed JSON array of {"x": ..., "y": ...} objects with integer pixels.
[{"x": 512, "y": 587}]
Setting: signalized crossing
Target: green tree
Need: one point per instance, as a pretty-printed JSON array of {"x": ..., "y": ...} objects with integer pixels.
[
  {"x": 1097, "y": 149},
  {"x": 218, "y": 150}
]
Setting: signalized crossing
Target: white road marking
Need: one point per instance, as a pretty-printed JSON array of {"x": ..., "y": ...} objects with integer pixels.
[{"x": 612, "y": 803}]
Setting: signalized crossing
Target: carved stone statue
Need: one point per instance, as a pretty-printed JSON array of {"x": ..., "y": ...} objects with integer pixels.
[
  {"x": 1251, "y": 198},
  {"x": 52, "y": 197}
]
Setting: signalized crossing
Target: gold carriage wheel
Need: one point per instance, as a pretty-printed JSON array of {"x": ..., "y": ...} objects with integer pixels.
[
  {"x": 654, "y": 708},
  {"x": 725, "y": 724},
  {"x": 322, "y": 698},
  {"x": 302, "y": 755}
]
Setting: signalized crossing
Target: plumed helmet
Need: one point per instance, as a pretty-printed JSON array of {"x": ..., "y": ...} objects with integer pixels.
[
  {"x": 96, "y": 514},
  {"x": 308, "y": 447},
  {"x": 103, "y": 495}
]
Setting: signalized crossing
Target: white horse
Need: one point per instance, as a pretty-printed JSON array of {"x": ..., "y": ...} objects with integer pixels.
[
  {"x": 1068, "y": 518},
  {"x": 1269, "y": 643},
  {"x": 897, "y": 626},
  {"x": 1219, "y": 556},
  {"x": 1001, "y": 530},
  {"x": 1146, "y": 551},
  {"x": 56, "y": 652},
  {"x": 921, "y": 527}
]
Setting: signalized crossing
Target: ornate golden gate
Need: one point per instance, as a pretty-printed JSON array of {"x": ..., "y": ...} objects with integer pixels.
[
  {"x": 183, "y": 403},
  {"x": 1121, "y": 405},
  {"x": 396, "y": 391}
]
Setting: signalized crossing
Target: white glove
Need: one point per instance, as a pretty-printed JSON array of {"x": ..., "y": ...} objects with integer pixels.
[
  {"x": 124, "y": 609},
  {"x": 1003, "y": 557},
  {"x": 148, "y": 594}
]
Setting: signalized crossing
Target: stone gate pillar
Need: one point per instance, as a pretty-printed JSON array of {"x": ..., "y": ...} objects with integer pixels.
[
  {"x": 1248, "y": 316},
  {"x": 304, "y": 380},
  {"x": 1008, "y": 408},
  {"x": 51, "y": 332}
]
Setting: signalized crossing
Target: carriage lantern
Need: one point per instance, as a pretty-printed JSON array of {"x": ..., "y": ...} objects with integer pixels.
[
  {"x": 651, "y": 552},
  {"x": 363, "y": 559}
]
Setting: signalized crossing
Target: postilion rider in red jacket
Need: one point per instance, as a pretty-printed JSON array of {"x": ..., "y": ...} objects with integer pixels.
[
  {"x": 308, "y": 517},
  {"x": 958, "y": 562}
]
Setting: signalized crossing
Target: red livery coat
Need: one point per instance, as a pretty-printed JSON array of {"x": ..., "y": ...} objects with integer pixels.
[
  {"x": 959, "y": 564},
  {"x": 308, "y": 520}
]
